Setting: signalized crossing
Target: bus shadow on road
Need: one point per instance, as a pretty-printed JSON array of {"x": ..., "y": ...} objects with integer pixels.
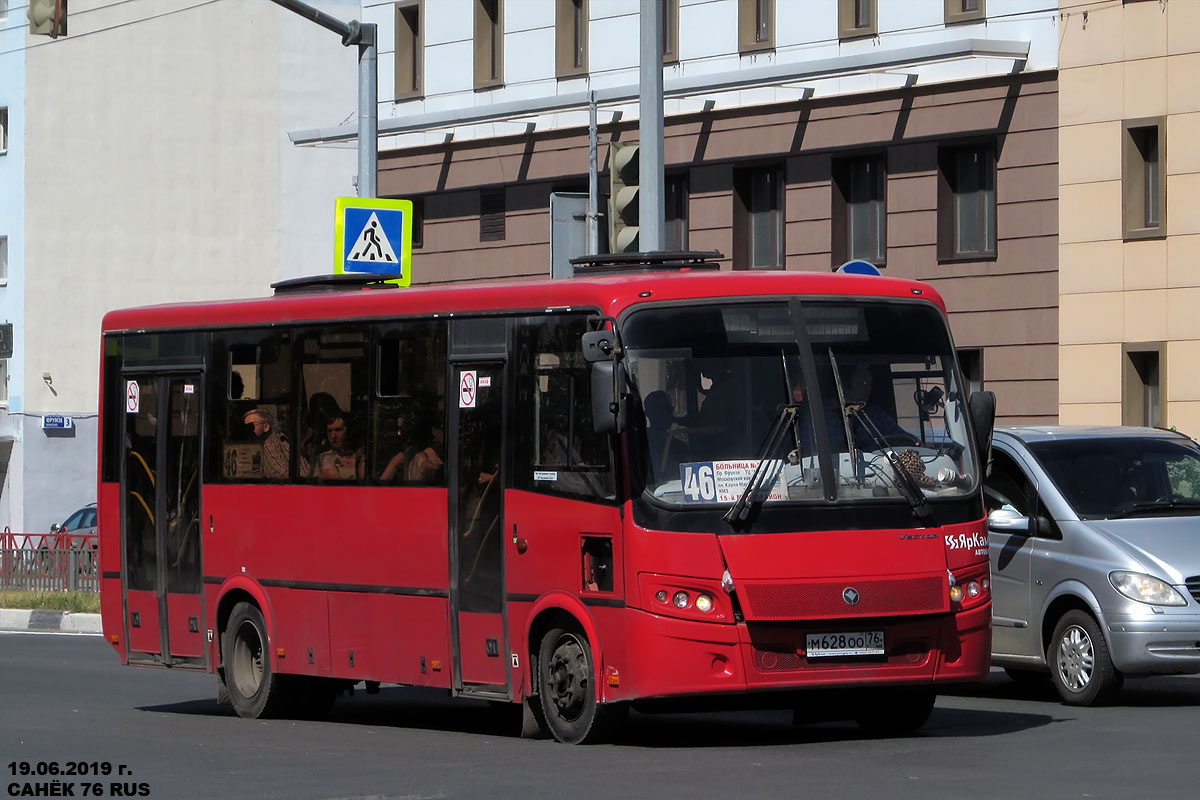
[{"x": 433, "y": 710}]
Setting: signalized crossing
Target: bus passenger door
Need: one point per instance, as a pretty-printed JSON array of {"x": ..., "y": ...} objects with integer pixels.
[
  {"x": 160, "y": 518},
  {"x": 477, "y": 611}
]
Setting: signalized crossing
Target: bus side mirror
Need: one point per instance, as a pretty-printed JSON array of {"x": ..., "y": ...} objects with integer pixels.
[
  {"x": 608, "y": 401},
  {"x": 982, "y": 406},
  {"x": 598, "y": 346}
]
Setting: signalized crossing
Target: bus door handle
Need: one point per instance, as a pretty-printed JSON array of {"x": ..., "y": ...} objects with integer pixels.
[{"x": 521, "y": 544}]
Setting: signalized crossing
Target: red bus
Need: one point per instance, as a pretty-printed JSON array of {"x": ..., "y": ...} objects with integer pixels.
[{"x": 677, "y": 485}]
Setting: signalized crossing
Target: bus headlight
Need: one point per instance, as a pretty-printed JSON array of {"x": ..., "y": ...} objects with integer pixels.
[
  {"x": 704, "y": 603},
  {"x": 680, "y": 599}
]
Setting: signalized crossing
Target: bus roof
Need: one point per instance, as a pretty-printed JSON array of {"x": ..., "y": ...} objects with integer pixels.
[{"x": 612, "y": 294}]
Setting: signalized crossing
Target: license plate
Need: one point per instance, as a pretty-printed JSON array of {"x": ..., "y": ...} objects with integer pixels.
[{"x": 827, "y": 645}]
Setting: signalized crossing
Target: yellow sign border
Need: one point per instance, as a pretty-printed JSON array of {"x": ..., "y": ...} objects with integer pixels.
[{"x": 389, "y": 203}]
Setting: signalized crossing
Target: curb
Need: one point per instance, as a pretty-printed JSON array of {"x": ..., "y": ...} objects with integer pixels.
[{"x": 43, "y": 620}]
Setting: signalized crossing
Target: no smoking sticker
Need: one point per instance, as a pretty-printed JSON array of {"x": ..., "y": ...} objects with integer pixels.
[
  {"x": 468, "y": 389},
  {"x": 133, "y": 396}
]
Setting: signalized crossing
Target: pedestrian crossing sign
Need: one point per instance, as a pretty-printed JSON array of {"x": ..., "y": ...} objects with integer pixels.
[{"x": 374, "y": 235}]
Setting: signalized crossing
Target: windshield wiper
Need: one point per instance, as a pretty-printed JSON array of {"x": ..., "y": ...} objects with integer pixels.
[
  {"x": 768, "y": 469},
  {"x": 904, "y": 482},
  {"x": 1153, "y": 507}
]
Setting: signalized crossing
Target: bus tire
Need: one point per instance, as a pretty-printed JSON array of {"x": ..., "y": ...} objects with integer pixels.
[
  {"x": 567, "y": 689},
  {"x": 254, "y": 689},
  {"x": 895, "y": 712}
]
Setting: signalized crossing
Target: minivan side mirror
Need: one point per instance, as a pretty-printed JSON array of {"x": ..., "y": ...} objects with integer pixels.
[
  {"x": 1005, "y": 520},
  {"x": 982, "y": 406}
]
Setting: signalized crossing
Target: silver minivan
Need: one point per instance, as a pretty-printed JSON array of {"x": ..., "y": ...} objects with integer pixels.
[{"x": 1095, "y": 546}]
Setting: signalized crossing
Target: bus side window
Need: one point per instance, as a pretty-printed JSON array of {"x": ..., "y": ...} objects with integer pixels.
[
  {"x": 334, "y": 396},
  {"x": 556, "y": 449},
  {"x": 252, "y": 405},
  {"x": 409, "y": 403}
]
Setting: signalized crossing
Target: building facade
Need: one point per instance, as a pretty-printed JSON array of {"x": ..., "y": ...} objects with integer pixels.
[
  {"x": 921, "y": 136},
  {"x": 156, "y": 167},
  {"x": 1130, "y": 217}
]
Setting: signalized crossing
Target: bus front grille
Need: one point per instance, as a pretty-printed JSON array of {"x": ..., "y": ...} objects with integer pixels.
[{"x": 827, "y": 599}]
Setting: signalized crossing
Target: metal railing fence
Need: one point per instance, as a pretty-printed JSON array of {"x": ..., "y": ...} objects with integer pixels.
[{"x": 50, "y": 562}]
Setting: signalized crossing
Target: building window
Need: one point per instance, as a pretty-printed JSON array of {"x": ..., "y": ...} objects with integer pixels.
[
  {"x": 418, "y": 223},
  {"x": 758, "y": 218},
  {"x": 675, "y": 234},
  {"x": 856, "y": 18},
  {"x": 966, "y": 203},
  {"x": 1141, "y": 385},
  {"x": 670, "y": 31},
  {"x": 571, "y": 37},
  {"x": 859, "y": 218},
  {"x": 3, "y": 261},
  {"x": 965, "y": 10},
  {"x": 3, "y": 130},
  {"x": 410, "y": 48},
  {"x": 491, "y": 215},
  {"x": 756, "y": 25},
  {"x": 489, "y": 43},
  {"x": 971, "y": 362},
  {"x": 1143, "y": 184}
]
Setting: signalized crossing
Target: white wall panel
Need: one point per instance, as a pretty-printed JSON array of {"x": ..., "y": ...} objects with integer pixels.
[
  {"x": 449, "y": 68},
  {"x": 450, "y": 21},
  {"x": 529, "y": 55},
  {"x": 527, "y": 15},
  {"x": 708, "y": 29},
  {"x": 805, "y": 22},
  {"x": 614, "y": 43}
]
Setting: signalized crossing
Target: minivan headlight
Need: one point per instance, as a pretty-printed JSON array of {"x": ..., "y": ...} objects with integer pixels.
[{"x": 1146, "y": 589}]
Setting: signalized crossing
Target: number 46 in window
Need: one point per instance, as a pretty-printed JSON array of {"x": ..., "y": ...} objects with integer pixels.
[{"x": 699, "y": 482}]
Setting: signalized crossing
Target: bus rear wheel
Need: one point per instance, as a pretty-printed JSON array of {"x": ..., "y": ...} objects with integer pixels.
[
  {"x": 567, "y": 689},
  {"x": 254, "y": 688}
]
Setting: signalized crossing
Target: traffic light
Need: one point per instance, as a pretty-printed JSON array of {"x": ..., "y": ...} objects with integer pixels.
[
  {"x": 47, "y": 17},
  {"x": 623, "y": 198}
]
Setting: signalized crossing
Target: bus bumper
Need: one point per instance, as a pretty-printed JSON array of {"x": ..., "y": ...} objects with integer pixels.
[{"x": 674, "y": 657}]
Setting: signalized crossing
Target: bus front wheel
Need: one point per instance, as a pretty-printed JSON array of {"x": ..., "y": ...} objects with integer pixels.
[
  {"x": 254, "y": 688},
  {"x": 567, "y": 689}
]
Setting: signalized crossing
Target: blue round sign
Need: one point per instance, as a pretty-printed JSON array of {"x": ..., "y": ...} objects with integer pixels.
[{"x": 859, "y": 267}]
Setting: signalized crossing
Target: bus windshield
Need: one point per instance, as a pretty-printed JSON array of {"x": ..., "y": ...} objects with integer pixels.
[{"x": 870, "y": 389}]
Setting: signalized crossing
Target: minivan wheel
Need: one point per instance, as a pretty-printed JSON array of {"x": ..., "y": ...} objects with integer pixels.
[{"x": 1080, "y": 666}]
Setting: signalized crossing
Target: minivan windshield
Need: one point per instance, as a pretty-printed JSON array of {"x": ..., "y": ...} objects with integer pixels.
[
  {"x": 1110, "y": 478},
  {"x": 860, "y": 378}
]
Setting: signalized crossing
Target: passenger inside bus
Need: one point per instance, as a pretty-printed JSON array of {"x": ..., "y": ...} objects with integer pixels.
[
  {"x": 276, "y": 450},
  {"x": 342, "y": 461},
  {"x": 404, "y": 451},
  {"x": 426, "y": 464}
]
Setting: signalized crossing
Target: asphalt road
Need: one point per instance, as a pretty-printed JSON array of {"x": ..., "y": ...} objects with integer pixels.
[{"x": 67, "y": 699}]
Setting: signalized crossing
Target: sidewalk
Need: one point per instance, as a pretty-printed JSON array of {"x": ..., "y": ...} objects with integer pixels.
[{"x": 42, "y": 620}]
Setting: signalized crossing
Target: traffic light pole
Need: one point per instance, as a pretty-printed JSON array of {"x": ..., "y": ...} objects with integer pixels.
[
  {"x": 364, "y": 35},
  {"x": 651, "y": 203}
]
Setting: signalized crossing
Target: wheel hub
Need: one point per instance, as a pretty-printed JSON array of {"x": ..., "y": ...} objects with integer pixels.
[
  {"x": 1076, "y": 658},
  {"x": 248, "y": 660},
  {"x": 568, "y": 678}
]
